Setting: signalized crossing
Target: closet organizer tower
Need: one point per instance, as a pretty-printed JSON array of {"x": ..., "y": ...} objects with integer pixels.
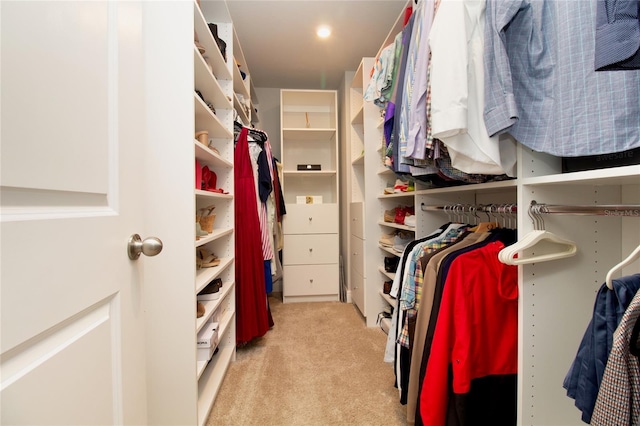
[
  {"x": 194, "y": 88},
  {"x": 556, "y": 297},
  {"x": 309, "y": 147}
]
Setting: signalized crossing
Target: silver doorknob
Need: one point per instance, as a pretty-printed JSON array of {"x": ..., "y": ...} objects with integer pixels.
[{"x": 149, "y": 247}]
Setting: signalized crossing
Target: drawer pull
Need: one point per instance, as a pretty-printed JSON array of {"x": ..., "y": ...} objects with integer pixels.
[
  {"x": 310, "y": 219},
  {"x": 310, "y": 250},
  {"x": 311, "y": 281}
]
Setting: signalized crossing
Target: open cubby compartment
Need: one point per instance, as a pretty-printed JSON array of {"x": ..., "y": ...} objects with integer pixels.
[
  {"x": 308, "y": 109},
  {"x": 309, "y": 147},
  {"x": 557, "y": 297},
  {"x": 303, "y": 185}
]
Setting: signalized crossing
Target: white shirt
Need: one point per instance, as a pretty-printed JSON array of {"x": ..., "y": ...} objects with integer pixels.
[{"x": 457, "y": 91}]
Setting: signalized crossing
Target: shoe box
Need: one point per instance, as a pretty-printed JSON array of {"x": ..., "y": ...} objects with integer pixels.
[{"x": 207, "y": 341}]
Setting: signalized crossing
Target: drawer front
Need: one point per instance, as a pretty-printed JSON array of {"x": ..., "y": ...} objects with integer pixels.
[
  {"x": 357, "y": 254},
  {"x": 357, "y": 219},
  {"x": 311, "y": 219},
  {"x": 310, "y": 280},
  {"x": 311, "y": 249},
  {"x": 357, "y": 290}
]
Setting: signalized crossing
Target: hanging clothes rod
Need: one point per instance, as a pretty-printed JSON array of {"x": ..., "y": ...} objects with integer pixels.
[
  {"x": 472, "y": 208},
  {"x": 618, "y": 210}
]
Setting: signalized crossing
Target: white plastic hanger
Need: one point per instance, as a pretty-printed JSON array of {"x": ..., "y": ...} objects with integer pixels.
[
  {"x": 632, "y": 257},
  {"x": 538, "y": 245}
]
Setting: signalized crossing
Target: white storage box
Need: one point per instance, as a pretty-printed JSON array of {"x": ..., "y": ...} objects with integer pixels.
[
  {"x": 205, "y": 354},
  {"x": 309, "y": 199},
  {"x": 208, "y": 336}
]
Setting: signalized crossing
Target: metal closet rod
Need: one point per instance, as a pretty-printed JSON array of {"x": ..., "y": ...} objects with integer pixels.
[
  {"x": 471, "y": 208},
  {"x": 618, "y": 210}
]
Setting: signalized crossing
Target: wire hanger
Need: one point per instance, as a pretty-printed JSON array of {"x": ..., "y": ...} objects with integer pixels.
[
  {"x": 538, "y": 245},
  {"x": 257, "y": 135},
  {"x": 631, "y": 258}
]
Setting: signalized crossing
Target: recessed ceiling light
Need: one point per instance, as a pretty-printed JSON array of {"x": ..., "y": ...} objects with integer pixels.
[{"x": 323, "y": 31}]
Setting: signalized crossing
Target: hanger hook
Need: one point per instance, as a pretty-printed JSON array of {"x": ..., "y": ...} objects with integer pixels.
[
  {"x": 473, "y": 209},
  {"x": 532, "y": 214}
]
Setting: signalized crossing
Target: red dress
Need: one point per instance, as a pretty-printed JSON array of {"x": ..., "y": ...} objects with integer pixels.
[{"x": 252, "y": 318}]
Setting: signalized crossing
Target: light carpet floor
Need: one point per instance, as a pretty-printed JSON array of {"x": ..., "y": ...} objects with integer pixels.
[{"x": 318, "y": 365}]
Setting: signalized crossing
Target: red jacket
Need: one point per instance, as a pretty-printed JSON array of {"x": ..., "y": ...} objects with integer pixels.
[{"x": 476, "y": 331}]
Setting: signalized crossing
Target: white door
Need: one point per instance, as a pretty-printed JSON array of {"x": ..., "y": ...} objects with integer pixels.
[{"x": 71, "y": 349}]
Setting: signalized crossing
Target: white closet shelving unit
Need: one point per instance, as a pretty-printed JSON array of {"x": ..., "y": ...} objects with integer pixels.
[
  {"x": 556, "y": 297},
  {"x": 356, "y": 188},
  {"x": 218, "y": 85},
  {"x": 181, "y": 388},
  {"x": 309, "y": 136}
]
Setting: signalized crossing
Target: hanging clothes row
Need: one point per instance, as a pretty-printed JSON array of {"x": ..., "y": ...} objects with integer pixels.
[
  {"x": 258, "y": 202},
  {"x": 458, "y": 88},
  {"x": 448, "y": 360}
]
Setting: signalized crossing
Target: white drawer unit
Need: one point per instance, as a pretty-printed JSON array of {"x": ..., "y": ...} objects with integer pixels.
[
  {"x": 357, "y": 290},
  {"x": 311, "y": 228},
  {"x": 310, "y": 280},
  {"x": 357, "y": 219},
  {"x": 313, "y": 249},
  {"x": 311, "y": 219},
  {"x": 357, "y": 254}
]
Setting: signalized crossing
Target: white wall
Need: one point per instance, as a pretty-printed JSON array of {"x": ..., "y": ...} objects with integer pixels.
[{"x": 269, "y": 113}]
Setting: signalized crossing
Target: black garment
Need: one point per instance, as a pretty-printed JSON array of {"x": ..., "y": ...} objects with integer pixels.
[
  {"x": 400, "y": 319},
  {"x": 264, "y": 177},
  {"x": 492, "y": 400},
  {"x": 406, "y": 353},
  {"x": 282, "y": 210}
]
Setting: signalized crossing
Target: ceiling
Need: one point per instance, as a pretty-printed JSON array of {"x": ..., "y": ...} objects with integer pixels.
[{"x": 282, "y": 51}]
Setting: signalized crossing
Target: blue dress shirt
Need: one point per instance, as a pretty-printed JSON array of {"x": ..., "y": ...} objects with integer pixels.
[
  {"x": 541, "y": 85},
  {"x": 617, "y": 35}
]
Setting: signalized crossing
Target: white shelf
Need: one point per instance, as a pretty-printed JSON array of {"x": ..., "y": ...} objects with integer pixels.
[
  {"x": 307, "y": 135},
  {"x": 216, "y": 234},
  {"x": 222, "y": 334},
  {"x": 207, "y": 156},
  {"x": 220, "y": 69},
  {"x": 390, "y": 300},
  {"x": 357, "y": 119},
  {"x": 385, "y": 171},
  {"x": 207, "y": 120},
  {"x": 396, "y": 226},
  {"x": 316, "y": 173},
  {"x": 390, "y": 275},
  {"x": 479, "y": 187},
  {"x": 389, "y": 250},
  {"x": 628, "y": 175},
  {"x": 212, "y": 195},
  {"x": 409, "y": 194},
  {"x": 211, "y": 306},
  {"x": 211, "y": 378},
  {"x": 205, "y": 275}
]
